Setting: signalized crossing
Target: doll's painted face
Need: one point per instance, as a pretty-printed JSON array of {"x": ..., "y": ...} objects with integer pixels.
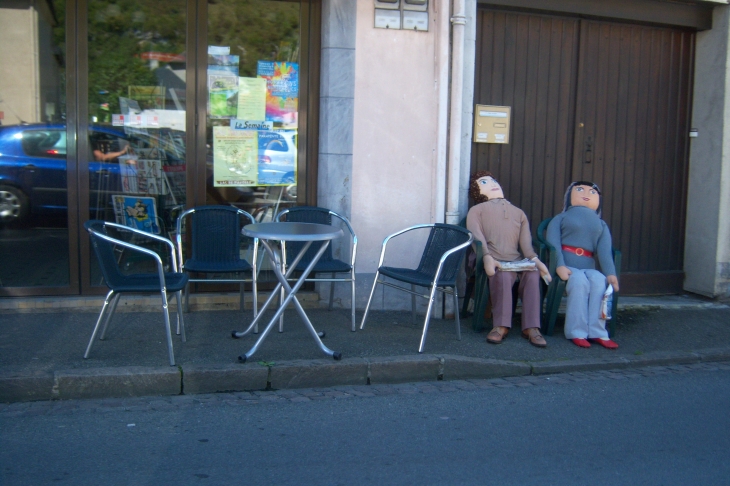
[
  {"x": 490, "y": 188},
  {"x": 585, "y": 196}
]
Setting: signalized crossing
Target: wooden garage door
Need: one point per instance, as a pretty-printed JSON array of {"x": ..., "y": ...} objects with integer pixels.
[{"x": 601, "y": 101}]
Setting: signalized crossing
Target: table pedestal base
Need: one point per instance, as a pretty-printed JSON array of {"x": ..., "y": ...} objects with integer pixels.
[{"x": 290, "y": 297}]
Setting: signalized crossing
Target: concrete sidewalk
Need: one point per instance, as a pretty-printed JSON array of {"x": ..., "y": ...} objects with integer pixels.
[{"x": 42, "y": 350}]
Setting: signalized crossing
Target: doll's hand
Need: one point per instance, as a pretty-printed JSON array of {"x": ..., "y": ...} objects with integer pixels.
[
  {"x": 563, "y": 272},
  {"x": 613, "y": 281},
  {"x": 490, "y": 265},
  {"x": 544, "y": 272}
]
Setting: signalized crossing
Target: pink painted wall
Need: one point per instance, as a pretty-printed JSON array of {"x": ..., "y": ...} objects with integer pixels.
[{"x": 395, "y": 134}]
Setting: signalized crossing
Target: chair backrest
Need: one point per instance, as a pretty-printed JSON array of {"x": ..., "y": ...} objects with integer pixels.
[
  {"x": 215, "y": 233},
  {"x": 442, "y": 238},
  {"x": 104, "y": 250},
  {"x": 307, "y": 214}
]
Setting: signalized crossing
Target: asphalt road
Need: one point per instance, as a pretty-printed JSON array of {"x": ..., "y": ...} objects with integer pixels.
[{"x": 656, "y": 426}]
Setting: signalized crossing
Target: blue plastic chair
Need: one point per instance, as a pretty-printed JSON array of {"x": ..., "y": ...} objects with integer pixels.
[
  {"x": 327, "y": 263},
  {"x": 556, "y": 289},
  {"x": 161, "y": 281},
  {"x": 437, "y": 270},
  {"x": 215, "y": 247}
]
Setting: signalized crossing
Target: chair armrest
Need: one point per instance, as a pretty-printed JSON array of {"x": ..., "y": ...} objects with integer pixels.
[
  {"x": 139, "y": 249},
  {"x": 398, "y": 233},
  {"x": 149, "y": 236}
]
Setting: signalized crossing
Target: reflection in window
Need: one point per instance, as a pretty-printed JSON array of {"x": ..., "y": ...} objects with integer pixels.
[
  {"x": 253, "y": 105},
  {"x": 137, "y": 164},
  {"x": 33, "y": 188}
]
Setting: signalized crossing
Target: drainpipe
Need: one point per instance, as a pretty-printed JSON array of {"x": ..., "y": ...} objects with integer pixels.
[
  {"x": 441, "y": 9},
  {"x": 457, "y": 85}
]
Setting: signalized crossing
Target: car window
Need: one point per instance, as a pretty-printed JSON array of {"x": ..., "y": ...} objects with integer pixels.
[{"x": 44, "y": 143}]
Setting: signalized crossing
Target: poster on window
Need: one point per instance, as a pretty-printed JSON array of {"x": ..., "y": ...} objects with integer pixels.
[
  {"x": 282, "y": 91},
  {"x": 251, "y": 99},
  {"x": 138, "y": 212},
  {"x": 277, "y": 157},
  {"x": 235, "y": 157},
  {"x": 223, "y": 94}
]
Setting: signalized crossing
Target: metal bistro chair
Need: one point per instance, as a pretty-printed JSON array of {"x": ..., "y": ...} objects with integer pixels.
[
  {"x": 327, "y": 263},
  {"x": 437, "y": 270},
  {"x": 216, "y": 247},
  {"x": 160, "y": 281},
  {"x": 556, "y": 289}
]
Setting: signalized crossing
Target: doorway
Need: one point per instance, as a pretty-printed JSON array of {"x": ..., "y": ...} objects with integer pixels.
[{"x": 601, "y": 101}]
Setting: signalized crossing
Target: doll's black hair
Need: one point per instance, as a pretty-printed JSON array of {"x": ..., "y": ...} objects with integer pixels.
[{"x": 566, "y": 201}]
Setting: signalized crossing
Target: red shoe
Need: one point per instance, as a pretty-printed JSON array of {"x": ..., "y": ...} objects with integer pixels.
[
  {"x": 606, "y": 343},
  {"x": 581, "y": 342}
]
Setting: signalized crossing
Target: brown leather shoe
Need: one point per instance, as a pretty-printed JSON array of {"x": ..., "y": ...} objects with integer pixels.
[
  {"x": 533, "y": 335},
  {"x": 497, "y": 334}
]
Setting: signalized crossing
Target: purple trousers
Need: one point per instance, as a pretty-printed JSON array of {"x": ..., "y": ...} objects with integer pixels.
[{"x": 500, "y": 290}]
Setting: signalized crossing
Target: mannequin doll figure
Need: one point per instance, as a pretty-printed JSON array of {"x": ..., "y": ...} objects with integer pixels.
[
  {"x": 504, "y": 233},
  {"x": 580, "y": 237}
]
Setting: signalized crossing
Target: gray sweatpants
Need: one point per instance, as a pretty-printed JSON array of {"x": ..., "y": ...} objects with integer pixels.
[{"x": 585, "y": 290}]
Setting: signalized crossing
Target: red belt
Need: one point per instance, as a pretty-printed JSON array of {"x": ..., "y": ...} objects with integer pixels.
[{"x": 578, "y": 251}]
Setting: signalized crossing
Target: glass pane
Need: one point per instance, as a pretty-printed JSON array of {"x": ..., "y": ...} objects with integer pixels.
[
  {"x": 137, "y": 116},
  {"x": 33, "y": 193},
  {"x": 253, "y": 98}
]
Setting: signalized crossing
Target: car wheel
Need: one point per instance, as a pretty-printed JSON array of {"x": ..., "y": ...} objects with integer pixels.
[
  {"x": 290, "y": 192},
  {"x": 13, "y": 205}
]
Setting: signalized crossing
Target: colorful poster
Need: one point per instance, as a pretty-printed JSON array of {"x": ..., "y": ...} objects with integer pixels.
[
  {"x": 234, "y": 157},
  {"x": 282, "y": 91},
  {"x": 251, "y": 99},
  {"x": 228, "y": 64},
  {"x": 277, "y": 157},
  {"x": 137, "y": 212},
  {"x": 223, "y": 94}
]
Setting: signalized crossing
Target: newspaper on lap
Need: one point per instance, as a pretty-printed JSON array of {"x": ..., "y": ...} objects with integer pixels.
[{"x": 523, "y": 265}]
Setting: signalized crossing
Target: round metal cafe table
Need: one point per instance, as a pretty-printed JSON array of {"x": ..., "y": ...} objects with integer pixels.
[{"x": 285, "y": 231}]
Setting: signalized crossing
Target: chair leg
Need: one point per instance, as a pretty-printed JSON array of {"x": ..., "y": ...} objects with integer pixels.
[
  {"x": 352, "y": 300},
  {"x": 413, "y": 304},
  {"x": 281, "y": 317},
  {"x": 98, "y": 322},
  {"x": 456, "y": 313},
  {"x": 481, "y": 298},
  {"x": 332, "y": 292},
  {"x": 255, "y": 288},
  {"x": 468, "y": 291},
  {"x": 370, "y": 299},
  {"x": 180, "y": 318},
  {"x": 431, "y": 299},
  {"x": 168, "y": 332},
  {"x": 187, "y": 297},
  {"x": 554, "y": 305},
  {"x": 109, "y": 315}
]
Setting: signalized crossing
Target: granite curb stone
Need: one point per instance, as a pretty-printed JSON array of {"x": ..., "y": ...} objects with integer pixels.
[
  {"x": 319, "y": 373},
  {"x": 464, "y": 368},
  {"x": 226, "y": 378},
  {"x": 25, "y": 387},
  {"x": 404, "y": 369},
  {"x": 129, "y": 381},
  {"x": 714, "y": 354}
]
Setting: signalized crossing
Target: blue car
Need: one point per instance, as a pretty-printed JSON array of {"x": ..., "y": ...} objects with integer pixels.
[{"x": 33, "y": 180}]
